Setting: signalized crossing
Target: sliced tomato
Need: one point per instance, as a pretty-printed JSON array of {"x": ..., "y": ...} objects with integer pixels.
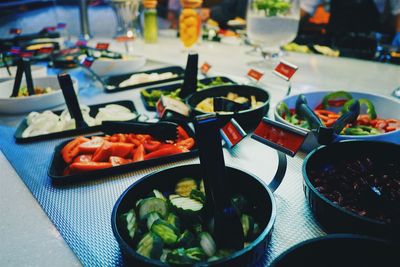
[
  {"x": 182, "y": 133},
  {"x": 91, "y": 146},
  {"x": 116, "y": 161},
  {"x": 151, "y": 145},
  {"x": 167, "y": 151},
  {"x": 188, "y": 143},
  {"x": 83, "y": 158},
  {"x": 138, "y": 155},
  {"x": 88, "y": 166},
  {"x": 122, "y": 150},
  {"x": 103, "y": 152},
  {"x": 71, "y": 150}
]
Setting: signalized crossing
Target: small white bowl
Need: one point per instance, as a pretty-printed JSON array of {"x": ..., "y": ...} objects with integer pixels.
[
  {"x": 111, "y": 67},
  {"x": 18, "y": 105},
  {"x": 385, "y": 107},
  {"x": 37, "y": 71}
]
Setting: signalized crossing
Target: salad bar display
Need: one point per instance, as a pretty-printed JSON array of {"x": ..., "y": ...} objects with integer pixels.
[{"x": 135, "y": 156}]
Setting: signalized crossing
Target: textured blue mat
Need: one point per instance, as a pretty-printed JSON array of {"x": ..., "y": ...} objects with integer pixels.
[{"x": 81, "y": 212}]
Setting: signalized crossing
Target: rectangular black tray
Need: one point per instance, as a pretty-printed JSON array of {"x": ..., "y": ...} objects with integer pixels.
[
  {"x": 58, "y": 165},
  {"x": 117, "y": 79},
  {"x": 173, "y": 87},
  {"x": 93, "y": 111}
]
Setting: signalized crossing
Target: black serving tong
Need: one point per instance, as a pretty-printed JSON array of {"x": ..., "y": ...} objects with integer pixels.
[
  {"x": 71, "y": 100},
  {"x": 325, "y": 135},
  {"x": 228, "y": 231},
  {"x": 163, "y": 130},
  {"x": 224, "y": 104},
  {"x": 23, "y": 66},
  {"x": 189, "y": 85}
]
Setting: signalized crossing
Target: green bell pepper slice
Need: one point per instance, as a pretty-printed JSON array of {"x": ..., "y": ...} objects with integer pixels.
[
  {"x": 361, "y": 130},
  {"x": 284, "y": 111},
  {"x": 363, "y": 101},
  {"x": 335, "y": 95}
]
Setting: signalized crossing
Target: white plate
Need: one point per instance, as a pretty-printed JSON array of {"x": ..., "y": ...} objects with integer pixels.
[
  {"x": 17, "y": 105},
  {"x": 111, "y": 67},
  {"x": 385, "y": 107},
  {"x": 37, "y": 71}
]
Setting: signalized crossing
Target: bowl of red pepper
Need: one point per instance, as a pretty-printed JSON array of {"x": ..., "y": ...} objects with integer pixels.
[{"x": 379, "y": 118}]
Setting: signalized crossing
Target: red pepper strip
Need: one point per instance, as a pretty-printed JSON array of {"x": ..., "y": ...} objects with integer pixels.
[
  {"x": 390, "y": 129},
  {"x": 333, "y": 116},
  {"x": 167, "y": 151},
  {"x": 392, "y": 121},
  {"x": 186, "y": 144},
  {"x": 324, "y": 112},
  {"x": 88, "y": 166},
  {"x": 182, "y": 133},
  {"x": 151, "y": 146},
  {"x": 336, "y": 102},
  {"x": 319, "y": 107},
  {"x": 138, "y": 155},
  {"x": 330, "y": 122}
]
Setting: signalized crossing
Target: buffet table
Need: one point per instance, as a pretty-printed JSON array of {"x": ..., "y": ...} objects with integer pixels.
[{"x": 29, "y": 237}]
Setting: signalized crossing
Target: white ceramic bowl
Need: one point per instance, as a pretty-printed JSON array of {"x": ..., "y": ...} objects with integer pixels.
[
  {"x": 385, "y": 107},
  {"x": 37, "y": 71},
  {"x": 18, "y": 105},
  {"x": 111, "y": 67}
]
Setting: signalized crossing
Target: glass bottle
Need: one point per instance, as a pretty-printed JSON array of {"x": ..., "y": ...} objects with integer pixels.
[
  {"x": 189, "y": 22},
  {"x": 150, "y": 27}
]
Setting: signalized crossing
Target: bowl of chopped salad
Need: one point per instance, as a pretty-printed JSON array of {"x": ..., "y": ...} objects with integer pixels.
[
  {"x": 48, "y": 94},
  {"x": 379, "y": 118}
]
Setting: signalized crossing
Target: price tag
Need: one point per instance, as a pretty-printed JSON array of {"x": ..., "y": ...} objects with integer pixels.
[
  {"x": 15, "y": 50},
  {"x": 255, "y": 74},
  {"x": 87, "y": 62},
  {"x": 50, "y": 29},
  {"x": 232, "y": 133},
  {"x": 102, "y": 46},
  {"x": 285, "y": 70},
  {"x": 61, "y": 25},
  {"x": 279, "y": 136},
  {"x": 205, "y": 68},
  {"x": 81, "y": 43},
  {"x": 15, "y": 31},
  {"x": 124, "y": 38},
  {"x": 167, "y": 106},
  {"x": 26, "y": 54}
]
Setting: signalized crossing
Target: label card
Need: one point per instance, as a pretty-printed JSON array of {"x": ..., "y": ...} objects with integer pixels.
[
  {"x": 87, "y": 62},
  {"x": 81, "y": 43},
  {"x": 232, "y": 133},
  {"x": 255, "y": 74},
  {"x": 279, "y": 136},
  {"x": 285, "y": 70},
  {"x": 167, "y": 106},
  {"x": 102, "y": 46}
]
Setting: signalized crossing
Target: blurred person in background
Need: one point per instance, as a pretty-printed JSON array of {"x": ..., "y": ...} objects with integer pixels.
[{"x": 360, "y": 16}]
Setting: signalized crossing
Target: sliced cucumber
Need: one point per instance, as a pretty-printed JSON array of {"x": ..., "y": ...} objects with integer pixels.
[
  {"x": 178, "y": 256},
  {"x": 172, "y": 196},
  {"x": 164, "y": 254},
  {"x": 198, "y": 195},
  {"x": 186, "y": 204},
  {"x": 152, "y": 204},
  {"x": 202, "y": 189},
  {"x": 151, "y": 218},
  {"x": 157, "y": 194},
  {"x": 150, "y": 246},
  {"x": 131, "y": 224},
  {"x": 185, "y": 186},
  {"x": 247, "y": 225},
  {"x": 186, "y": 239},
  {"x": 196, "y": 254},
  {"x": 207, "y": 243},
  {"x": 174, "y": 220},
  {"x": 168, "y": 233}
]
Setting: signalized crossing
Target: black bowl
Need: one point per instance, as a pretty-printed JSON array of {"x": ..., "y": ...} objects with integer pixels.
[
  {"x": 344, "y": 250},
  {"x": 255, "y": 191},
  {"x": 248, "y": 119},
  {"x": 337, "y": 219}
]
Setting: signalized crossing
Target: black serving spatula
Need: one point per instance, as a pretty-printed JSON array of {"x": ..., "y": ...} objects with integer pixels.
[
  {"x": 71, "y": 100},
  {"x": 228, "y": 230},
  {"x": 23, "y": 66},
  {"x": 224, "y": 104},
  {"x": 163, "y": 130},
  {"x": 325, "y": 135},
  {"x": 189, "y": 85}
]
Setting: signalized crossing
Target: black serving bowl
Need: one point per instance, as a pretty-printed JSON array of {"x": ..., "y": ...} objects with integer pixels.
[
  {"x": 249, "y": 118},
  {"x": 332, "y": 217},
  {"x": 344, "y": 250},
  {"x": 254, "y": 190}
]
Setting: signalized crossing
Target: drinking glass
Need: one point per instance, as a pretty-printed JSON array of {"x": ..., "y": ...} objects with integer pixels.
[
  {"x": 271, "y": 24},
  {"x": 127, "y": 12}
]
